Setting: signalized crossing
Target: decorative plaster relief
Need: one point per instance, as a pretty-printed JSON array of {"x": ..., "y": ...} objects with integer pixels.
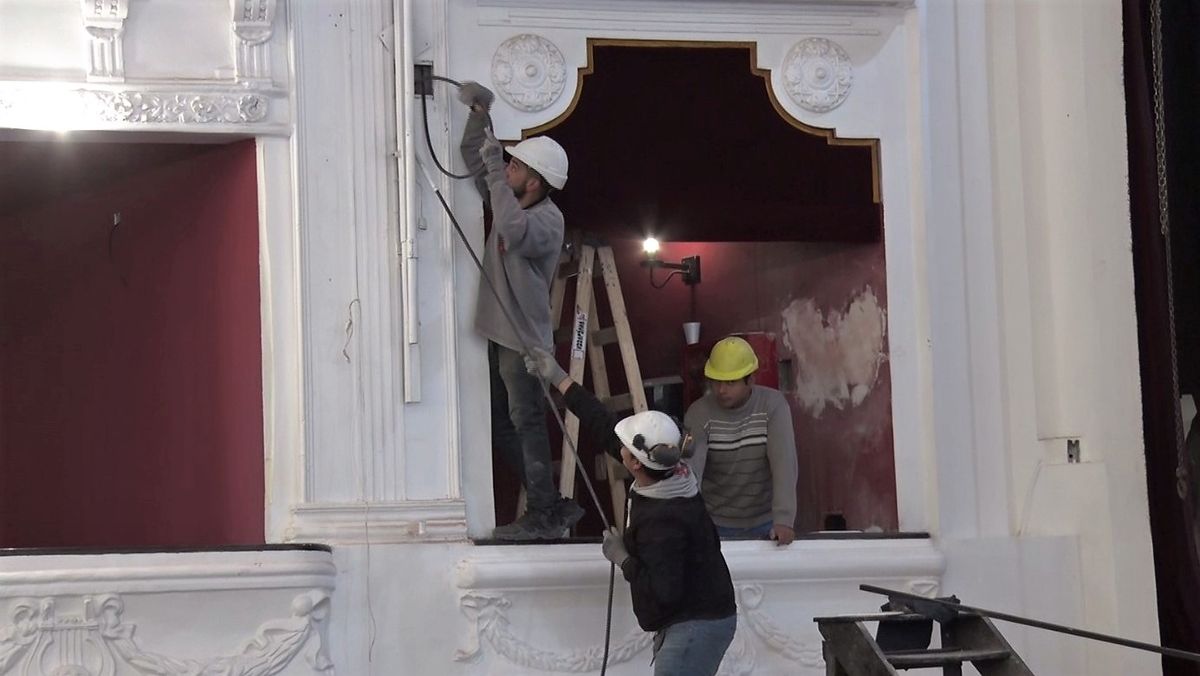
[
  {"x": 923, "y": 587},
  {"x": 798, "y": 651},
  {"x": 837, "y": 356},
  {"x": 40, "y": 642},
  {"x": 148, "y": 107},
  {"x": 487, "y": 615},
  {"x": 104, "y": 21},
  {"x": 38, "y": 108},
  {"x": 529, "y": 72},
  {"x": 253, "y": 25},
  {"x": 817, "y": 74},
  {"x": 824, "y": 572},
  {"x": 488, "y": 618}
]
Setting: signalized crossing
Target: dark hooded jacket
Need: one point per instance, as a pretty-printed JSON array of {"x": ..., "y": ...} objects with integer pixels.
[{"x": 675, "y": 569}]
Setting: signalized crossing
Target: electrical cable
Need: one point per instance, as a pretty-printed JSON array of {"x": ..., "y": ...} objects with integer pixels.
[
  {"x": 429, "y": 139},
  {"x": 612, "y": 576},
  {"x": 525, "y": 348},
  {"x": 579, "y": 466},
  {"x": 664, "y": 282}
]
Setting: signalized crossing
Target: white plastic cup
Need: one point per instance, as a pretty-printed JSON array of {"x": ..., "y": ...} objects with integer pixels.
[{"x": 691, "y": 332}]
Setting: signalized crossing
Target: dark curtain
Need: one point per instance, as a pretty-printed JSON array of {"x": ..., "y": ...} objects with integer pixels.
[{"x": 1172, "y": 519}]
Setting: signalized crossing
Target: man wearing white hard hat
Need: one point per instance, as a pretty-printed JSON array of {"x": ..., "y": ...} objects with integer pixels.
[
  {"x": 670, "y": 554},
  {"x": 520, "y": 261}
]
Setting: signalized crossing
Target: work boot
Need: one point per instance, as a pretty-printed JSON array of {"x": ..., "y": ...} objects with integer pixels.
[
  {"x": 568, "y": 513},
  {"x": 533, "y": 525}
]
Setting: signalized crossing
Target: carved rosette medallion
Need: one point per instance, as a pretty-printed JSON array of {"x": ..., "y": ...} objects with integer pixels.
[
  {"x": 817, "y": 74},
  {"x": 529, "y": 72}
]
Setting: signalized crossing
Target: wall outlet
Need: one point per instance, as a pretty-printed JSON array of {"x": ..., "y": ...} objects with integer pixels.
[
  {"x": 1074, "y": 454},
  {"x": 422, "y": 79}
]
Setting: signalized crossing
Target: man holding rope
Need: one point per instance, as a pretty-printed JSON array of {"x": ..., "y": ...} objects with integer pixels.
[{"x": 670, "y": 553}]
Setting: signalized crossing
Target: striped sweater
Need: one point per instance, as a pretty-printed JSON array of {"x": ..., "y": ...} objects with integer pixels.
[{"x": 745, "y": 459}]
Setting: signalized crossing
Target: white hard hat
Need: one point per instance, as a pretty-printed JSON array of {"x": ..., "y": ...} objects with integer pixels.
[
  {"x": 545, "y": 156},
  {"x": 654, "y": 428}
]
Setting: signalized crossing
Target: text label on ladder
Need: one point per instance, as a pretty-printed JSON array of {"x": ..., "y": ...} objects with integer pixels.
[{"x": 579, "y": 336}]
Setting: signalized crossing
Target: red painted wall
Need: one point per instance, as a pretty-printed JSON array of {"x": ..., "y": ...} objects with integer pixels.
[
  {"x": 846, "y": 457},
  {"x": 130, "y": 360}
]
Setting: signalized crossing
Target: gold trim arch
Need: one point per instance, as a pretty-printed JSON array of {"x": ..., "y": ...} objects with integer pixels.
[{"x": 828, "y": 133}]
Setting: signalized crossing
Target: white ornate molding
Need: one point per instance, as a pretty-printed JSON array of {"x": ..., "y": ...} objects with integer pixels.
[
  {"x": 378, "y": 522},
  {"x": 534, "y": 567},
  {"x": 924, "y": 587},
  {"x": 253, "y": 25},
  {"x": 104, "y": 21},
  {"x": 817, "y": 74},
  {"x": 740, "y": 658},
  {"x": 666, "y": 17},
  {"x": 98, "y": 642},
  {"x": 66, "y": 108},
  {"x": 493, "y": 578},
  {"x": 188, "y": 108},
  {"x": 806, "y": 653},
  {"x": 487, "y": 616},
  {"x": 79, "y": 574},
  {"x": 488, "y": 623},
  {"x": 529, "y": 72}
]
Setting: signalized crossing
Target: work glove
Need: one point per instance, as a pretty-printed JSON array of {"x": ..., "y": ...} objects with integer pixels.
[
  {"x": 614, "y": 546},
  {"x": 473, "y": 93},
  {"x": 492, "y": 152},
  {"x": 542, "y": 364}
]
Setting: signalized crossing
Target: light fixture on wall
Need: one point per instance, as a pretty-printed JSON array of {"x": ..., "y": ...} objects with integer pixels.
[{"x": 688, "y": 269}]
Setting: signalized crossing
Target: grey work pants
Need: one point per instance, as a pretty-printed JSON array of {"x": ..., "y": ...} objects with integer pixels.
[{"x": 519, "y": 425}]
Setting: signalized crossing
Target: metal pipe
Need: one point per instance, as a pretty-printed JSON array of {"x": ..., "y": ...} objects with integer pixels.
[
  {"x": 408, "y": 241},
  {"x": 1038, "y": 624}
]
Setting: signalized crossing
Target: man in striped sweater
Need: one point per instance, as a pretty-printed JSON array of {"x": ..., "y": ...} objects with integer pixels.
[{"x": 745, "y": 448}]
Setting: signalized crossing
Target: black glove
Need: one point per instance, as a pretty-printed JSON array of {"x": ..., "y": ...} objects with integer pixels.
[
  {"x": 473, "y": 93},
  {"x": 492, "y": 152},
  {"x": 614, "y": 546},
  {"x": 542, "y": 364}
]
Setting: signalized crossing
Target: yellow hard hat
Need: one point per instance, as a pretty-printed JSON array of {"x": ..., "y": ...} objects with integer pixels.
[{"x": 731, "y": 358}]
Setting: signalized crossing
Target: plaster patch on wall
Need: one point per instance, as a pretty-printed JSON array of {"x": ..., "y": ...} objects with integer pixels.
[{"x": 837, "y": 357}]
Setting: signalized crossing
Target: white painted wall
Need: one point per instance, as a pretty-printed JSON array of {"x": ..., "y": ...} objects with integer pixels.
[
  {"x": 1032, "y": 189},
  {"x": 1011, "y": 320}
]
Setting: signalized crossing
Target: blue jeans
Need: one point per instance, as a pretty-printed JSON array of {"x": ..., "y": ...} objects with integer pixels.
[
  {"x": 759, "y": 532},
  {"x": 693, "y": 648},
  {"x": 519, "y": 426}
]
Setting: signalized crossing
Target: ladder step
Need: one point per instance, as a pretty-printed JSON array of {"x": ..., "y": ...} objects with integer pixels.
[
  {"x": 600, "y": 337},
  {"x": 606, "y": 336},
  {"x": 940, "y": 657},
  {"x": 619, "y": 403},
  {"x": 571, "y": 269}
]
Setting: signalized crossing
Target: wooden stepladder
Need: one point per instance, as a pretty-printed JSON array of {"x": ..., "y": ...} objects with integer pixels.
[{"x": 587, "y": 340}]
